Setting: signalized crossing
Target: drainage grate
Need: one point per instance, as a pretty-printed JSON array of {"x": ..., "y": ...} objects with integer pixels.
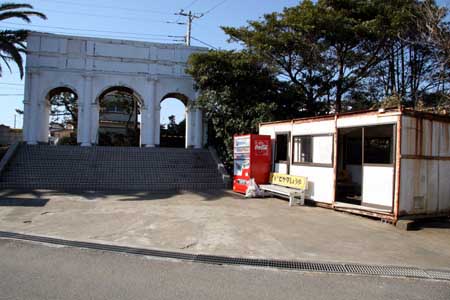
[
  {"x": 387, "y": 271},
  {"x": 439, "y": 274},
  {"x": 393, "y": 271}
]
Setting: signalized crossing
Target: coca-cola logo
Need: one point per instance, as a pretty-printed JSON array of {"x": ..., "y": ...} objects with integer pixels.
[{"x": 262, "y": 148}]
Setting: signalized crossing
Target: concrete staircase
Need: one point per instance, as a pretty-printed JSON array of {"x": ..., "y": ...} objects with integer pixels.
[{"x": 110, "y": 169}]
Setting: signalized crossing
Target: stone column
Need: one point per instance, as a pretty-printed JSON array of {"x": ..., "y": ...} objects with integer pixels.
[
  {"x": 84, "y": 113},
  {"x": 148, "y": 117},
  {"x": 157, "y": 122},
  {"x": 39, "y": 111},
  {"x": 44, "y": 118},
  {"x": 94, "y": 121},
  {"x": 144, "y": 120},
  {"x": 26, "y": 125},
  {"x": 190, "y": 118},
  {"x": 32, "y": 115},
  {"x": 198, "y": 136}
]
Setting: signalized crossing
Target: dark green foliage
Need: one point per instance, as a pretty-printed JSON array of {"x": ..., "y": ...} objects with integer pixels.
[
  {"x": 237, "y": 93},
  {"x": 131, "y": 139},
  {"x": 64, "y": 108},
  {"x": 68, "y": 140},
  {"x": 324, "y": 57},
  {"x": 173, "y": 134},
  {"x": 121, "y": 107},
  {"x": 326, "y": 49}
]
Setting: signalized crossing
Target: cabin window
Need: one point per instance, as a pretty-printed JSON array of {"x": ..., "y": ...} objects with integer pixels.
[
  {"x": 313, "y": 149},
  {"x": 378, "y": 148},
  {"x": 303, "y": 149}
]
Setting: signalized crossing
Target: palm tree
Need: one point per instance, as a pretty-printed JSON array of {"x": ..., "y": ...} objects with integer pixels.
[{"x": 12, "y": 42}]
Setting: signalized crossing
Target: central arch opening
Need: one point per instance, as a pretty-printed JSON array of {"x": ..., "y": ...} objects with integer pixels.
[
  {"x": 119, "y": 117},
  {"x": 173, "y": 121},
  {"x": 62, "y": 105}
]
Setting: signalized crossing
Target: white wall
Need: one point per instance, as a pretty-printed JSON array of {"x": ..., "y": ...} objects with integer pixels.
[
  {"x": 367, "y": 120},
  {"x": 320, "y": 182},
  {"x": 315, "y": 127},
  {"x": 320, "y": 179},
  {"x": 89, "y": 66},
  {"x": 378, "y": 185}
]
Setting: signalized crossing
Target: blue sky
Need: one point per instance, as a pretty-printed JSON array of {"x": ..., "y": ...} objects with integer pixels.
[{"x": 133, "y": 19}]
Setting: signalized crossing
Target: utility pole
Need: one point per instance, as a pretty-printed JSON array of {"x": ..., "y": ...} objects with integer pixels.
[
  {"x": 191, "y": 17},
  {"x": 15, "y": 117}
]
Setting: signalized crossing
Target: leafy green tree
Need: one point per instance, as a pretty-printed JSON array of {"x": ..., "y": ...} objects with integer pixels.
[
  {"x": 64, "y": 108},
  {"x": 326, "y": 48},
  {"x": 122, "y": 106},
  {"x": 173, "y": 134},
  {"x": 322, "y": 57},
  {"x": 413, "y": 70},
  {"x": 288, "y": 43},
  {"x": 237, "y": 92},
  {"x": 174, "y": 128},
  {"x": 12, "y": 42},
  {"x": 434, "y": 29}
]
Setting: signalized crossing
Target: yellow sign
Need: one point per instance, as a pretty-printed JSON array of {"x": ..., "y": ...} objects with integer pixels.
[{"x": 296, "y": 182}]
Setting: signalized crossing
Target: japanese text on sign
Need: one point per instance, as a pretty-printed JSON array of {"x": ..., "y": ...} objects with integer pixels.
[{"x": 296, "y": 182}]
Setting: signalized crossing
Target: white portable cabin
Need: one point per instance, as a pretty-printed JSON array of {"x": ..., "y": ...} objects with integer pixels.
[{"x": 388, "y": 164}]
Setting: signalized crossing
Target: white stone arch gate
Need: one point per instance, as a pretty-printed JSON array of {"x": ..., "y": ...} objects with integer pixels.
[{"x": 92, "y": 65}]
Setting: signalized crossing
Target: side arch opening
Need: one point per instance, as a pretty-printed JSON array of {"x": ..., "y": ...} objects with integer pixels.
[
  {"x": 62, "y": 109},
  {"x": 173, "y": 120}
]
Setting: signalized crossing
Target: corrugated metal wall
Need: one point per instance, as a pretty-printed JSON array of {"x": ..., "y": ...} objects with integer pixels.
[{"x": 425, "y": 166}]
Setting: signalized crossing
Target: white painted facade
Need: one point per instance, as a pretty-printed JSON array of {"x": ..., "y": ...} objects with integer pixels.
[
  {"x": 90, "y": 66},
  {"x": 320, "y": 179},
  {"x": 415, "y": 182}
]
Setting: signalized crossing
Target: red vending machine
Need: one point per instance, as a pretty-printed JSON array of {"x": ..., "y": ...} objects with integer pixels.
[{"x": 252, "y": 159}]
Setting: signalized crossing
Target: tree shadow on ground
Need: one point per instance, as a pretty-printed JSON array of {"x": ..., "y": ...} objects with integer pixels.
[
  {"x": 211, "y": 195},
  {"x": 16, "y": 198},
  {"x": 26, "y": 202},
  {"x": 39, "y": 194},
  {"x": 25, "y": 195}
]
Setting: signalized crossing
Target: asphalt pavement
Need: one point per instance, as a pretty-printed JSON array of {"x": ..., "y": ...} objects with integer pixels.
[
  {"x": 39, "y": 271},
  {"x": 223, "y": 223}
]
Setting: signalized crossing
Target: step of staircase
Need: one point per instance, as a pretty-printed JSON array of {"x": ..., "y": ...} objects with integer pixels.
[{"x": 110, "y": 169}]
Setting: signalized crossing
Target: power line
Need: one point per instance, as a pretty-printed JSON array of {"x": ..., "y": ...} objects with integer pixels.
[
  {"x": 190, "y": 4},
  {"x": 177, "y": 21},
  {"x": 140, "y": 38},
  {"x": 190, "y": 17},
  {"x": 107, "y": 16},
  {"x": 214, "y": 7},
  {"x": 90, "y": 30},
  {"x": 204, "y": 43},
  {"x": 110, "y": 7},
  {"x": 6, "y": 95}
]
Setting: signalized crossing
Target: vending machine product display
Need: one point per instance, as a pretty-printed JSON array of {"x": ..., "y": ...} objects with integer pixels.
[{"x": 252, "y": 159}]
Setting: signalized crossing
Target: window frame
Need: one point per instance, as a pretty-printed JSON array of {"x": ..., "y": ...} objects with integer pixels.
[
  {"x": 288, "y": 139},
  {"x": 393, "y": 155},
  {"x": 313, "y": 164}
]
